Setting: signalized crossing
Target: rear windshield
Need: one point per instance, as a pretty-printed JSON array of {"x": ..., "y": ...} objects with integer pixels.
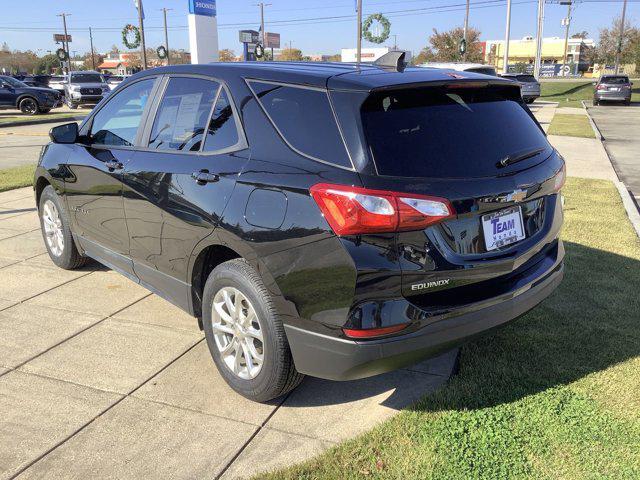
[
  {"x": 615, "y": 80},
  {"x": 483, "y": 71},
  {"x": 526, "y": 78},
  {"x": 441, "y": 132}
]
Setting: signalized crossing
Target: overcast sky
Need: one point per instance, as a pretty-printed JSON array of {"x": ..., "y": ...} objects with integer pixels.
[{"x": 30, "y": 25}]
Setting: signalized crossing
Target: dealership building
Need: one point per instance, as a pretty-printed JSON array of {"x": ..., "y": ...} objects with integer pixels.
[{"x": 524, "y": 51}]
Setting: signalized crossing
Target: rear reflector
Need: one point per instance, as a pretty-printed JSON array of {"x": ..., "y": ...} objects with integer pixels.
[
  {"x": 355, "y": 210},
  {"x": 374, "y": 332}
]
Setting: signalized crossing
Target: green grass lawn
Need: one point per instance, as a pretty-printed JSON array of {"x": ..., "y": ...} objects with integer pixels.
[
  {"x": 555, "y": 394},
  {"x": 570, "y": 94},
  {"x": 16, "y": 177},
  {"x": 571, "y": 125},
  {"x": 38, "y": 118}
]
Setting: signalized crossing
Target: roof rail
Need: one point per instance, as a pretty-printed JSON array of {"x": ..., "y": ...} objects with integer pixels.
[{"x": 392, "y": 60}]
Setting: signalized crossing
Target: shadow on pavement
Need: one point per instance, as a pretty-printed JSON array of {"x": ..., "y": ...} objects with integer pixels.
[{"x": 589, "y": 324}]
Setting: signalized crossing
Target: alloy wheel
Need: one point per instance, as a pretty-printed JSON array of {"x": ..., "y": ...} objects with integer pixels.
[
  {"x": 29, "y": 106},
  {"x": 53, "y": 228},
  {"x": 237, "y": 332}
]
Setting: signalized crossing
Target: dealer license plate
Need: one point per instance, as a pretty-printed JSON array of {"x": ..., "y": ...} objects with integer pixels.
[{"x": 503, "y": 228}]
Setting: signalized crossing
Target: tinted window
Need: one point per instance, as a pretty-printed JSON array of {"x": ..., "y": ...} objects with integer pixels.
[
  {"x": 118, "y": 121},
  {"x": 483, "y": 71},
  {"x": 615, "y": 80},
  {"x": 183, "y": 114},
  {"x": 448, "y": 132},
  {"x": 222, "y": 131},
  {"x": 526, "y": 78},
  {"x": 305, "y": 119},
  {"x": 87, "y": 78}
]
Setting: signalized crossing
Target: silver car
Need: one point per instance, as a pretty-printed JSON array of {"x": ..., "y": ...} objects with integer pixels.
[
  {"x": 613, "y": 88},
  {"x": 84, "y": 88},
  {"x": 529, "y": 86}
]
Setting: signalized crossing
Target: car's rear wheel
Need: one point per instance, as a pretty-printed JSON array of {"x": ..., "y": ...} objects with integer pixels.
[
  {"x": 45, "y": 110},
  {"x": 29, "y": 106},
  {"x": 245, "y": 334},
  {"x": 54, "y": 224}
]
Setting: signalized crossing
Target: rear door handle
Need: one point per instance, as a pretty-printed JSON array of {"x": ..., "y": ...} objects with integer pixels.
[
  {"x": 203, "y": 177},
  {"x": 113, "y": 165}
]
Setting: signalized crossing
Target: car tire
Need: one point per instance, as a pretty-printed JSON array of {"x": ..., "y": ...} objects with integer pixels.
[
  {"x": 255, "y": 331},
  {"x": 596, "y": 103},
  {"x": 54, "y": 224},
  {"x": 627, "y": 102},
  {"x": 29, "y": 106},
  {"x": 45, "y": 110}
]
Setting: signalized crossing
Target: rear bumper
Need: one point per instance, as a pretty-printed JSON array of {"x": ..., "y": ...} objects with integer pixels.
[
  {"x": 334, "y": 358},
  {"x": 613, "y": 97}
]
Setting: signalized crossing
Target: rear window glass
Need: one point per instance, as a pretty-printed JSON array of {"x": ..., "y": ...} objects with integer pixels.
[
  {"x": 483, "y": 71},
  {"x": 526, "y": 78},
  {"x": 441, "y": 132},
  {"x": 304, "y": 118},
  {"x": 615, "y": 80}
]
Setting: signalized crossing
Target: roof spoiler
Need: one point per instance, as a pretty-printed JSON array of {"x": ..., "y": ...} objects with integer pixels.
[{"x": 393, "y": 60}]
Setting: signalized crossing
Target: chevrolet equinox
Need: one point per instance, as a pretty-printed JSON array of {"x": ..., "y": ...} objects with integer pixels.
[{"x": 333, "y": 220}]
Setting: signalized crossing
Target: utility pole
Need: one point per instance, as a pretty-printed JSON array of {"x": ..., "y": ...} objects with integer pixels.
[
  {"x": 359, "y": 29},
  {"x": 567, "y": 22},
  {"x": 507, "y": 34},
  {"x": 93, "y": 58},
  {"x": 464, "y": 35},
  {"x": 263, "y": 35},
  {"x": 143, "y": 47},
  {"x": 395, "y": 41},
  {"x": 65, "y": 43},
  {"x": 538, "y": 63},
  {"x": 619, "y": 49},
  {"x": 166, "y": 34}
]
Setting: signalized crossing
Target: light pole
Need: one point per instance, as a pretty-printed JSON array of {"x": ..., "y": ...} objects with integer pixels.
[
  {"x": 166, "y": 34},
  {"x": 93, "y": 58},
  {"x": 567, "y": 22},
  {"x": 359, "y": 29},
  {"x": 65, "y": 43},
  {"x": 143, "y": 47},
  {"x": 619, "y": 49},
  {"x": 507, "y": 34},
  {"x": 538, "y": 62},
  {"x": 464, "y": 35},
  {"x": 263, "y": 36}
]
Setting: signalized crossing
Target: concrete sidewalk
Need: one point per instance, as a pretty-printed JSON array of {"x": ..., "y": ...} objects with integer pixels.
[{"x": 101, "y": 379}]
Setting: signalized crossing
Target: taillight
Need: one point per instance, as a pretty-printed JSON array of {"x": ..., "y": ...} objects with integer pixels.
[
  {"x": 355, "y": 210},
  {"x": 374, "y": 332},
  {"x": 600, "y": 87}
]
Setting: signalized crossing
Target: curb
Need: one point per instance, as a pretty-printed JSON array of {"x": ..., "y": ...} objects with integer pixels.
[
  {"x": 595, "y": 128},
  {"x": 629, "y": 206},
  {"x": 22, "y": 123},
  {"x": 627, "y": 200}
]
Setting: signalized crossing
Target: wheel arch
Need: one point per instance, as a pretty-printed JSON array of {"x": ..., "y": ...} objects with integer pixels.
[
  {"x": 26, "y": 95},
  {"x": 39, "y": 185}
]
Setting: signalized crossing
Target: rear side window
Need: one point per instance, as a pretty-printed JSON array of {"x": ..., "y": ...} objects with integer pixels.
[
  {"x": 183, "y": 114},
  {"x": 441, "y": 132},
  {"x": 222, "y": 132},
  {"x": 483, "y": 71},
  {"x": 304, "y": 118},
  {"x": 117, "y": 123}
]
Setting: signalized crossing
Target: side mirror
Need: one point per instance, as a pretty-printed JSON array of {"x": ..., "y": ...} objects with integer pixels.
[{"x": 67, "y": 133}]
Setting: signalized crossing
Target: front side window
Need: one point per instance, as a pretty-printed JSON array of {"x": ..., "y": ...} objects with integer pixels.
[
  {"x": 304, "y": 118},
  {"x": 182, "y": 115},
  {"x": 117, "y": 123},
  {"x": 222, "y": 132}
]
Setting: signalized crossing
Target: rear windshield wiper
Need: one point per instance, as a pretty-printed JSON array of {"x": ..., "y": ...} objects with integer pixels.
[{"x": 518, "y": 157}]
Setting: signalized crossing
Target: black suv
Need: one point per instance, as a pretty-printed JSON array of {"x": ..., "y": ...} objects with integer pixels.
[
  {"x": 322, "y": 219},
  {"x": 30, "y": 100}
]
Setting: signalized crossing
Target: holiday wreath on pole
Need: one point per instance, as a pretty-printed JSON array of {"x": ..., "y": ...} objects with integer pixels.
[
  {"x": 126, "y": 31},
  {"x": 366, "y": 28}
]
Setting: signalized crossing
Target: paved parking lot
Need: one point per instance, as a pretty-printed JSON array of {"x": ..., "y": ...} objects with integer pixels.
[
  {"x": 620, "y": 127},
  {"x": 100, "y": 378}
]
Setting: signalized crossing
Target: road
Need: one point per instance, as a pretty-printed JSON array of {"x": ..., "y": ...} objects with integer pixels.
[{"x": 620, "y": 127}]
